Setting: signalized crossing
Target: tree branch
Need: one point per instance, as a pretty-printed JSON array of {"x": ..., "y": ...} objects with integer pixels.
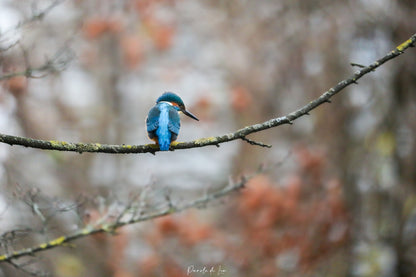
[
  {"x": 58, "y": 62},
  {"x": 119, "y": 222},
  {"x": 239, "y": 134},
  {"x": 38, "y": 15}
]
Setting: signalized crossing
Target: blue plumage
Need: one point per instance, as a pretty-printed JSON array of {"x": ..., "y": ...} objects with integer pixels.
[
  {"x": 164, "y": 131},
  {"x": 163, "y": 122}
]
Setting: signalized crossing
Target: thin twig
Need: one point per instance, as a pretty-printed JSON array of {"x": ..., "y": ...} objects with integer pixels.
[
  {"x": 34, "y": 17},
  {"x": 252, "y": 142},
  {"x": 357, "y": 65},
  {"x": 112, "y": 227},
  {"x": 22, "y": 268},
  {"x": 57, "y": 63}
]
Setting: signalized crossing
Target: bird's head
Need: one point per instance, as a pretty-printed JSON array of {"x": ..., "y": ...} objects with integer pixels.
[{"x": 176, "y": 101}]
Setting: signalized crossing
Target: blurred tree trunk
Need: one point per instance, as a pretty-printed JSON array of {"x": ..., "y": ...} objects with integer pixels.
[{"x": 403, "y": 124}]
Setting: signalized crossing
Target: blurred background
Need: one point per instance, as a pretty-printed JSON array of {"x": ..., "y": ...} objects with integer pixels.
[{"x": 338, "y": 197}]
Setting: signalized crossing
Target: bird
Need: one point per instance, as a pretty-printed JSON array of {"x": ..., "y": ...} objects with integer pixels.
[{"x": 163, "y": 121}]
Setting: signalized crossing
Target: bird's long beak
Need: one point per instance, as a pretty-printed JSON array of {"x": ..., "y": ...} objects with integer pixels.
[{"x": 190, "y": 115}]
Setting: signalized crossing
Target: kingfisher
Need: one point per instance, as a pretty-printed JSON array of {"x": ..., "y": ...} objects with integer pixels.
[{"x": 163, "y": 121}]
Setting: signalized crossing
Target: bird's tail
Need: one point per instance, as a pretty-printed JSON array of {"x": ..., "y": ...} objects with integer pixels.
[{"x": 163, "y": 139}]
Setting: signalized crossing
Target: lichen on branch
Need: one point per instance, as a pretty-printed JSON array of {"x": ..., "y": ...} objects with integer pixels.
[{"x": 239, "y": 134}]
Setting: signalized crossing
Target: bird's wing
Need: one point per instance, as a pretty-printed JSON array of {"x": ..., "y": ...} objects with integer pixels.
[
  {"x": 174, "y": 121},
  {"x": 152, "y": 120}
]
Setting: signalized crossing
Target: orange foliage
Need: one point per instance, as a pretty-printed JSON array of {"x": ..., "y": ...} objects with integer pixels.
[
  {"x": 167, "y": 225},
  {"x": 240, "y": 98},
  {"x": 204, "y": 108},
  {"x": 118, "y": 246},
  {"x": 154, "y": 265},
  {"x": 172, "y": 269},
  {"x": 122, "y": 273},
  {"x": 96, "y": 27},
  {"x": 187, "y": 229},
  {"x": 193, "y": 233},
  {"x": 163, "y": 37},
  {"x": 145, "y": 7},
  {"x": 132, "y": 50},
  {"x": 275, "y": 219},
  {"x": 17, "y": 85},
  {"x": 311, "y": 163},
  {"x": 268, "y": 203},
  {"x": 267, "y": 221},
  {"x": 161, "y": 33}
]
